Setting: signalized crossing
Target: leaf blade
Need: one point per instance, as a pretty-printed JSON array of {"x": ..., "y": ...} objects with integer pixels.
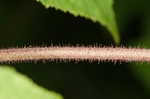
[
  {"x": 97, "y": 10},
  {"x": 16, "y": 86}
]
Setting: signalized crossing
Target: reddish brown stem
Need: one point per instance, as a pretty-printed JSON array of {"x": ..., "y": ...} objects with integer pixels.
[{"x": 75, "y": 53}]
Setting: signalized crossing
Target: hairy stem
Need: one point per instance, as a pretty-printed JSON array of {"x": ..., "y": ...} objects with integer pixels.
[{"x": 75, "y": 54}]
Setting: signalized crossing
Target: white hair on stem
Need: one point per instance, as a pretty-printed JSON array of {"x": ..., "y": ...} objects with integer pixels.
[{"x": 70, "y": 53}]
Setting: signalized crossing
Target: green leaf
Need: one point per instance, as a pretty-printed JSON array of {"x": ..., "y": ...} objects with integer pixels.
[
  {"x": 97, "y": 10},
  {"x": 16, "y": 86}
]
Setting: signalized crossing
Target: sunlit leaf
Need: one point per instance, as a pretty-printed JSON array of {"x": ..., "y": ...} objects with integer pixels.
[
  {"x": 16, "y": 86},
  {"x": 97, "y": 10}
]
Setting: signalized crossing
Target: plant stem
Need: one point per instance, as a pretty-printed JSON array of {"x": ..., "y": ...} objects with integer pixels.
[{"x": 74, "y": 54}]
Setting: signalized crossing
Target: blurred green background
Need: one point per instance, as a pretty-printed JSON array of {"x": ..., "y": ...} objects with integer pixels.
[{"x": 27, "y": 22}]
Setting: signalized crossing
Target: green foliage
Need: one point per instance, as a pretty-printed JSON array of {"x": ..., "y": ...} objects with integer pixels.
[
  {"x": 26, "y": 20},
  {"x": 97, "y": 10},
  {"x": 16, "y": 86},
  {"x": 138, "y": 13}
]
